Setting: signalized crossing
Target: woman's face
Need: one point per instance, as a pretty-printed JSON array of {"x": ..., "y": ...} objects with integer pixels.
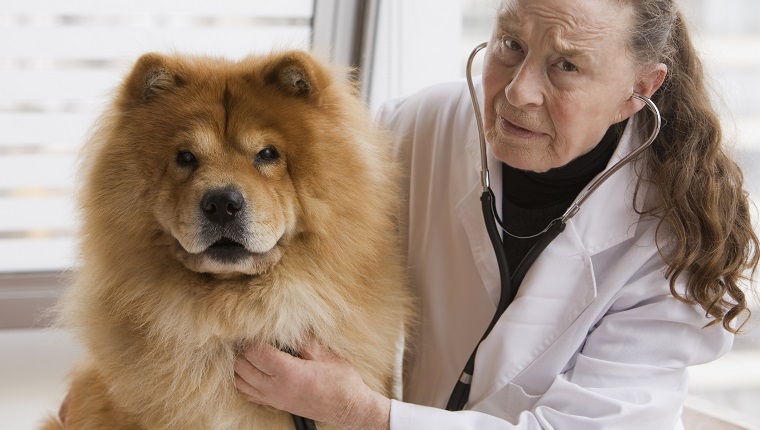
[{"x": 557, "y": 74}]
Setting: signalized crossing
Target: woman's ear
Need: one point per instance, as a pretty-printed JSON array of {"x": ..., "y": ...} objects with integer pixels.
[{"x": 650, "y": 80}]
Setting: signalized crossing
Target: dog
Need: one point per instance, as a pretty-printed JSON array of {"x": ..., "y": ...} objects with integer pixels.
[{"x": 223, "y": 203}]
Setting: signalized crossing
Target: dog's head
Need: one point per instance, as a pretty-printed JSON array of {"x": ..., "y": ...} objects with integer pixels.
[{"x": 227, "y": 154}]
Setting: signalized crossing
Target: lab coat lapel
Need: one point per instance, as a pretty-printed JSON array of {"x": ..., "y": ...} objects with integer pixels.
[
  {"x": 559, "y": 286},
  {"x": 470, "y": 212},
  {"x": 608, "y": 216},
  {"x": 557, "y": 289}
]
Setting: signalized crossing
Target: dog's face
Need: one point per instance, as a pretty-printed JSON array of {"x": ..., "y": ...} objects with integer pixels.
[
  {"x": 227, "y": 200},
  {"x": 223, "y": 146}
]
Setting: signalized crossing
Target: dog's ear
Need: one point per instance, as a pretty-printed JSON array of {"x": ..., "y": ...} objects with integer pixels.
[
  {"x": 296, "y": 74},
  {"x": 152, "y": 77}
]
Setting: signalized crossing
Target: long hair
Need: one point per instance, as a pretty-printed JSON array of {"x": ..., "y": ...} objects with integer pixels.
[{"x": 701, "y": 196}]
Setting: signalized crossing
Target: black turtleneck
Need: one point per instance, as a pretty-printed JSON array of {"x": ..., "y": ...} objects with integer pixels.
[{"x": 532, "y": 200}]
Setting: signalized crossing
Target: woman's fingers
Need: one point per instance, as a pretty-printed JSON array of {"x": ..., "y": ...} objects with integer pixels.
[
  {"x": 249, "y": 372},
  {"x": 312, "y": 350},
  {"x": 247, "y": 389},
  {"x": 268, "y": 376},
  {"x": 247, "y": 378},
  {"x": 266, "y": 358},
  {"x": 317, "y": 385}
]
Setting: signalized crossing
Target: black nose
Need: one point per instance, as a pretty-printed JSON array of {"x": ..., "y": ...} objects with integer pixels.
[{"x": 222, "y": 205}]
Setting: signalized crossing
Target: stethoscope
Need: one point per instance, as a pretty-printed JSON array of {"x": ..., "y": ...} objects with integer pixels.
[{"x": 460, "y": 394}]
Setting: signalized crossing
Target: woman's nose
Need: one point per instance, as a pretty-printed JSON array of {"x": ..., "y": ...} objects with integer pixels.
[{"x": 525, "y": 89}]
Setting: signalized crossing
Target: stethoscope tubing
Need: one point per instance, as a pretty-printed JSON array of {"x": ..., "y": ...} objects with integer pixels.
[
  {"x": 484, "y": 176},
  {"x": 302, "y": 423}
]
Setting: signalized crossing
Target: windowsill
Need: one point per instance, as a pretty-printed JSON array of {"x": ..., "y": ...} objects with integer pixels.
[{"x": 26, "y": 298}]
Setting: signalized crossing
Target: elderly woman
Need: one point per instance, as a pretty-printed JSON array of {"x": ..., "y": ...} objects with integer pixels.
[{"x": 642, "y": 283}]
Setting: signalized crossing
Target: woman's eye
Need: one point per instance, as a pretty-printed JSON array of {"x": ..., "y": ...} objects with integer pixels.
[
  {"x": 186, "y": 159},
  {"x": 267, "y": 154},
  {"x": 567, "y": 66},
  {"x": 512, "y": 44}
]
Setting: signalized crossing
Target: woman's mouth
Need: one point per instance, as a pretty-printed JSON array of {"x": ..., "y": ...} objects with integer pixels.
[{"x": 510, "y": 129}]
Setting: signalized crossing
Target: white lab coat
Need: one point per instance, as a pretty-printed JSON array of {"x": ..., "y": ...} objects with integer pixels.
[{"x": 593, "y": 340}]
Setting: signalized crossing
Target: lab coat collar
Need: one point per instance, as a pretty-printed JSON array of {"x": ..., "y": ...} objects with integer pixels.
[
  {"x": 608, "y": 217},
  {"x": 560, "y": 285}
]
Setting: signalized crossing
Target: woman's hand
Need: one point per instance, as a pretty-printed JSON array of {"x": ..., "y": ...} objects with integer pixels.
[{"x": 318, "y": 385}]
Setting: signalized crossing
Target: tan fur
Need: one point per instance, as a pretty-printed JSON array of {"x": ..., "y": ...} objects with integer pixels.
[{"x": 162, "y": 323}]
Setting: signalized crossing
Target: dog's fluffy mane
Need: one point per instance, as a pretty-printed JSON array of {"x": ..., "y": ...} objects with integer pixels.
[{"x": 134, "y": 304}]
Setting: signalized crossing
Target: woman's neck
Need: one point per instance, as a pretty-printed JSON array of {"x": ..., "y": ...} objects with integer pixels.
[{"x": 533, "y": 190}]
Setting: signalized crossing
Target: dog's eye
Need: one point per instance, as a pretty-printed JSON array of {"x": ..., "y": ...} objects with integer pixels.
[
  {"x": 186, "y": 159},
  {"x": 267, "y": 154}
]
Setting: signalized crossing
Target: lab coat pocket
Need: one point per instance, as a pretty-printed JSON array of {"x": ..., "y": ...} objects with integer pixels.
[{"x": 508, "y": 402}]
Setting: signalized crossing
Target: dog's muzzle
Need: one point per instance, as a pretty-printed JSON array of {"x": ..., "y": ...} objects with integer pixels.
[{"x": 223, "y": 209}]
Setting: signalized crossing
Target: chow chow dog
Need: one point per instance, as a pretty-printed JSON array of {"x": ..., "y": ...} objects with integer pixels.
[{"x": 225, "y": 203}]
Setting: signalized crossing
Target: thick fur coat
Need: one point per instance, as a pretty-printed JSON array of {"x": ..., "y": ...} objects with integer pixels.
[{"x": 225, "y": 203}]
